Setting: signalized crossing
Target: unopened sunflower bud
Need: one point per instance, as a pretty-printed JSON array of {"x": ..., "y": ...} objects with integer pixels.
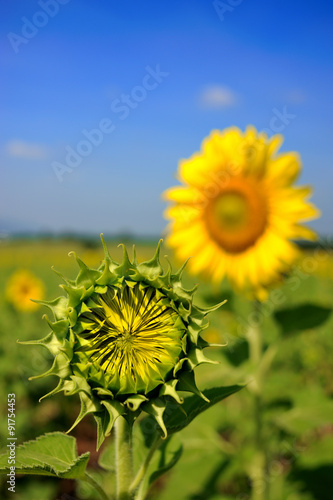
[{"x": 125, "y": 338}]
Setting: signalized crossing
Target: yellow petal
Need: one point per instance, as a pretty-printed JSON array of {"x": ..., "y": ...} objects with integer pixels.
[
  {"x": 305, "y": 233},
  {"x": 183, "y": 214},
  {"x": 183, "y": 195},
  {"x": 284, "y": 170}
]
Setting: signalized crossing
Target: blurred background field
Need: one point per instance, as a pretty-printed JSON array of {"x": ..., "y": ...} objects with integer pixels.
[{"x": 298, "y": 412}]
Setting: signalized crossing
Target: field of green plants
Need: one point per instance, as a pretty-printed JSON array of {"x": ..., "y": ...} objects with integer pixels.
[{"x": 219, "y": 446}]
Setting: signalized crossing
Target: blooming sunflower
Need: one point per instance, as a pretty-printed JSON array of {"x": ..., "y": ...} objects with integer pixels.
[
  {"x": 238, "y": 210},
  {"x": 126, "y": 338},
  {"x": 21, "y": 287}
]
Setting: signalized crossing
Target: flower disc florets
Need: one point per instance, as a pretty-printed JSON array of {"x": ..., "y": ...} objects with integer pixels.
[
  {"x": 126, "y": 338},
  {"x": 130, "y": 334}
]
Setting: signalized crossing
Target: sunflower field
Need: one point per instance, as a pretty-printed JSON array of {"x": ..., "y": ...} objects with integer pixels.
[
  {"x": 271, "y": 439},
  {"x": 166, "y": 250}
]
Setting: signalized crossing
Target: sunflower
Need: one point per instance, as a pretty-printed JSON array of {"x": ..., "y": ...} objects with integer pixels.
[
  {"x": 238, "y": 210},
  {"x": 126, "y": 338},
  {"x": 23, "y": 286},
  {"x": 130, "y": 335}
]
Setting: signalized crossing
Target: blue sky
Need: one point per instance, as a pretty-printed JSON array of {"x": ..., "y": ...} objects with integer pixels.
[{"x": 66, "y": 73}]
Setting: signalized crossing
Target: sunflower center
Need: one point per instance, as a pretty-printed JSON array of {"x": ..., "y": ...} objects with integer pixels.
[
  {"x": 124, "y": 342},
  {"x": 231, "y": 211},
  {"x": 237, "y": 216},
  {"x": 130, "y": 335}
]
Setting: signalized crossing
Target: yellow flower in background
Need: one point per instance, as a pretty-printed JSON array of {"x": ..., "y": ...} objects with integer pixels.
[
  {"x": 23, "y": 286},
  {"x": 238, "y": 210}
]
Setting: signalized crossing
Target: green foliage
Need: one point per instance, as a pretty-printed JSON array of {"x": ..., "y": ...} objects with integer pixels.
[
  {"x": 179, "y": 417},
  {"x": 165, "y": 463},
  {"x": 217, "y": 443},
  {"x": 53, "y": 454},
  {"x": 302, "y": 317}
]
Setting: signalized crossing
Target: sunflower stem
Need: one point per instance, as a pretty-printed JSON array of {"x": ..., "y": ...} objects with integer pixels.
[
  {"x": 124, "y": 458},
  {"x": 260, "y": 479},
  {"x": 144, "y": 467},
  {"x": 141, "y": 493},
  {"x": 89, "y": 479}
]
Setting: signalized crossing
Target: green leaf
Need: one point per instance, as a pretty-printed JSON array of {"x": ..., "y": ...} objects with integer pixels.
[
  {"x": 167, "y": 459},
  {"x": 52, "y": 454},
  {"x": 176, "y": 417},
  {"x": 306, "y": 418},
  {"x": 318, "y": 453},
  {"x": 301, "y": 317}
]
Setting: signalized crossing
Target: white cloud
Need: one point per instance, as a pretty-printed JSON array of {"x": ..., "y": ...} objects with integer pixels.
[
  {"x": 296, "y": 96},
  {"x": 26, "y": 150},
  {"x": 217, "y": 96}
]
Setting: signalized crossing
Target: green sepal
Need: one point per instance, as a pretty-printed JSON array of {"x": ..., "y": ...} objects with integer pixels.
[
  {"x": 107, "y": 277},
  {"x": 134, "y": 261},
  {"x": 196, "y": 357},
  {"x": 83, "y": 308},
  {"x": 102, "y": 420},
  {"x": 60, "y": 327},
  {"x": 106, "y": 418},
  {"x": 198, "y": 316},
  {"x": 88, "y": 405},
  {"x": 131, "y": 284},
  {"x": 206, "y": 310},
  {"x": 51, "y": 342},
  {"x": 66, "y": 280},
  {"x": 134, "y": 402},
  {"x": 101, "y": 391},
  {"x": 178, "y": 290},
  {"x": 195, "y": 329},
  {"x": 184, "y": 343},
  {"x": 178, "y": 366},
  {"x": 187, "y": 383},
  {"x": 110, "y": 264},
  {"x": 101, "y": 289},
  {"x": 76, "y": 385},
  {"x": 126, "y": 266},
  {"x": 202, "y": 344},
  {"x": 182, "y": 293},
  {"x": 177, "y": 276},
  {"x": 151, "y": 269},
  {"x": 74, "y": 295},
  {"x": 56, "y": 390},
  {"x": 72, "y": 316},
  {"x": 87, "y": 292},
  {"x": 60, "y": 367},
  {"x": 184, "y": 312},
  {"x": 58, "y": 306},
  {"x": 115, "y": 409},
  {"x": 86, "y": 277},
  {"x": 169, "y": 389},
  {"x": 156, "y": 408}
]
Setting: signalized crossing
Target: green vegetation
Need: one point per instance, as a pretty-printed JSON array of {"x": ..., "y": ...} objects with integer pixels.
[{"x": 218, "y": 450}]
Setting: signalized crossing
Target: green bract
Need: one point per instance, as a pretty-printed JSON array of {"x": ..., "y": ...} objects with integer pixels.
[{"x": 126, "y": 339}]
